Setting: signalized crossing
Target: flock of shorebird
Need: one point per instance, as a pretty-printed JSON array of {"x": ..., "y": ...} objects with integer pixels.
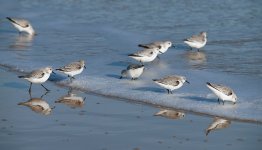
[{"x": 148, "y": 54}]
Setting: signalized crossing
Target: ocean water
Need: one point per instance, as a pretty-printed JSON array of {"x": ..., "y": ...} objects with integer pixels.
[{"x": 103, "y": 33}]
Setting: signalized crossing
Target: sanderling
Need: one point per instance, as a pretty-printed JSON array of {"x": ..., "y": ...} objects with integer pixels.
[
  {"x": 171, "y": 114},
  {"x": 38, "y": 76},
  {"x": 72, "y": 100},
  {"x": 145, "y": 55},
  {"x": 197, "y": 41},
  {"x": 73, "y": 68},
  {"x": 224, "y": 93},
  {"x": 38, "y": 105},
  {"x": 171, "y": 83},
  {"x": 162, "y": 45},
  {"x": 218, "y": 123},
  {"x": 22, "y": 25},
  {"x": 134, "y": 71}
]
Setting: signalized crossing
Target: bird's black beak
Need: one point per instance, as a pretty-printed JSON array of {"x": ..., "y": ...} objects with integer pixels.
[
  {"x": 53, "y": 72},
  {"x": 85, "y": 67},
  {"x": 187, "y": 82},
  {"x": 173, "y": 46}
]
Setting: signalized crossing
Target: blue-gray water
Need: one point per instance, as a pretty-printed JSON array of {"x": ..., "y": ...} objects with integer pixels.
[
  {"x": 104, "y": 32},
  {"x": 107, "y": 124}
]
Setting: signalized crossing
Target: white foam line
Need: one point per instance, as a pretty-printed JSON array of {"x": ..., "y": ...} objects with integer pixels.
[{"x": 131, "y": 90}]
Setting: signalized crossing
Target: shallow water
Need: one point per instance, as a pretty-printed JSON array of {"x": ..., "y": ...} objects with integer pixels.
[
  {"x": 104, "y": 123},
  {"x": 103, "y": 33}
]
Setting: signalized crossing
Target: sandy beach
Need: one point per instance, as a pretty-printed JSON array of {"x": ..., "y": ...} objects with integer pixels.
[{"x": 105, "y": 124}]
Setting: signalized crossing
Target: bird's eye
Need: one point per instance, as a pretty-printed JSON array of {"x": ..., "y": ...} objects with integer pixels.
[{"x": 151, "y": 52}]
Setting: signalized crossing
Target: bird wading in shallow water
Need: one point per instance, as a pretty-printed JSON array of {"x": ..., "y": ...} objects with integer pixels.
[
  {"x": 163, "y": 46},
  {"x": 197, "y": 41},
  {"x": 38, "y": 76},
  {"x": 145, "y": 55},
  {"x": 171, "y": 83},
  {"x": 22, "y": 25},
  {"x": 73, "y": 68},
  {"x": 223, "y": 93},
  {"x": 133, "y": 71}
]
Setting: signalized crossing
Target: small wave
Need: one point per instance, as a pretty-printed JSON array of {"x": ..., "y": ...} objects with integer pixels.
[{"x": 142, "y": 92}]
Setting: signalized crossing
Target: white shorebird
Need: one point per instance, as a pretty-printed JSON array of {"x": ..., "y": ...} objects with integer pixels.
[
  {"x": 197, "y": 41},
  {"x": 71, "y": 100},
  {"x": 224, "y": 93},
  {"x": 145, "y": 55},
  {"x": 218, "y": 123},
  {"x": 22, "y": 25},
  {"x": 38, "y": 105},
  {"x": 171, "y": 114},
  {"x": 38, "y": 76},
  {"x": 134, "y": 71},
  {"x": 171, "y": 83},
  {"x": 162, "y": 45},
  {"x": 73, "y": 68}
]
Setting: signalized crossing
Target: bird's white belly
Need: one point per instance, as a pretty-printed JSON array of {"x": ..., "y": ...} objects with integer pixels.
[
  {"x": 220, "y": 95},
  {"x": 170, "y": 87},
  {"x": 135, "y": 73},
  {"x": 75, "y": 72},
  {"x": 144, "y": 58},
  {"x": 149, "y": 59},
  {"x": 196, "y": 44},
  {"x": 39, "y": 80},
  {"x": 162, "y": 50}
]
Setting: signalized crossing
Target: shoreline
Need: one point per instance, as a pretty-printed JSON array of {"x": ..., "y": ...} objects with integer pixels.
[
  {"x": 117, "y": 123},
  {"x": 125, "y": 99}
]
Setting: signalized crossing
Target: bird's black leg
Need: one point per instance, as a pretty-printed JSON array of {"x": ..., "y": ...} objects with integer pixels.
[
  {"x": 167, "y": 91},
  {"x": 44, "y": 87},
  {"x": 44, "y": 94},
  {"x": 171, "y": 92},
  {"x": 223, "y": 102},
  {"x": 30, "y": 87},
  {"x": 218, "y": 101}
]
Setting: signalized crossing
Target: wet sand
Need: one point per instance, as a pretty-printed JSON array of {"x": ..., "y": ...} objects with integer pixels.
[{"x": 107, "y": 124}]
